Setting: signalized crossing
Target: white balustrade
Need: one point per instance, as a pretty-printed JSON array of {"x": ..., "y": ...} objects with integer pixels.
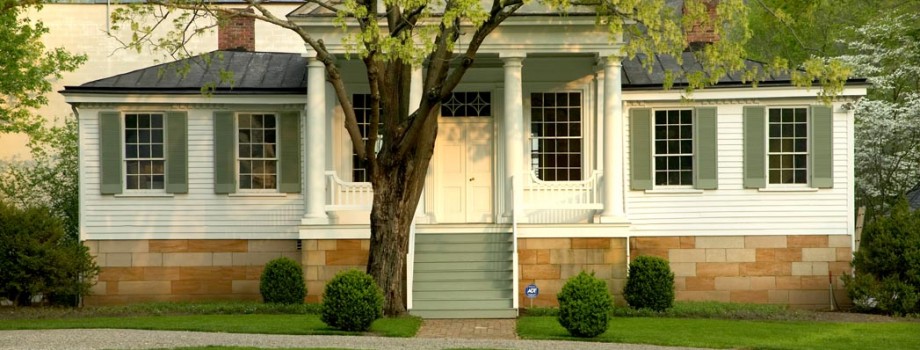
[
  {"x": 345, "y": 196},
  {"x": 563, "y": 195}
]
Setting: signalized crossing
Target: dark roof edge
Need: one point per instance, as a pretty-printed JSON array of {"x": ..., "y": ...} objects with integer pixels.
[
  {"x": 182, "y": 91},
  {"x": 725, "y": 85}
]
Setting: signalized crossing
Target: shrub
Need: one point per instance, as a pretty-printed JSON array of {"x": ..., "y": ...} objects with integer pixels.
[
  {"x": 352, "y": 301},
  {"x": 38, "y": 259},
  {"x": 650, "y": 284},
  {"x": 888, "y": 264},
  {"x": 282, "y": 282},
  {"x": 584, "y": 306}
]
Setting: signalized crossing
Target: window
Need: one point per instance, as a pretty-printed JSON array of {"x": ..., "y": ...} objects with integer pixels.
[
  {"x": 674, "y": 147},
  {"x": 556, "y": 135},
  {"x": 362, "y": 106},
  {"x": 257, "y": 145},
  {"x": 468, "y": 104},
  {"x": 144, "y": 154},
  {"x": 788, "y": 145}
]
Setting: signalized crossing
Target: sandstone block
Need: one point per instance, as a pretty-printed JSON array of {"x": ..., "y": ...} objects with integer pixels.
[
  {"x": 819, "y": 254},
  {"x": 143, "y": 287},
  {"x": 687, "y": 255},
  {"x": 750, "y": 296},
  {"x": 789, "y": 282},
  {"x": 683, "y": 269},
  {"x": 223, "y": 259},
  {"x": 740, "y": 255},
  {"x": 273, "y": 245},
  {"x": 807, "y": 241},
  {"x": 118, "y": 259},
  {"x": 348, "y": 244},
  {"x": 156, "y": 273},
  {"x": 687, "y": 242},
  {"x": 733, "y": 283},
  {"x": 346, "y": 257},
  {"x": 720, "y": 242},
  {"x": 245, "y": 287},
  {"x": 839, "y": 241},
  {"x": 123, "y": 246},
  {"x": 168, "y": 245},
  {"x": 717, "y": 269},
  {"x": 591, "y": 243},
  {"x": 763, "y": 283},
  {"x": 844, "y": 254},
  {"x": 217, "y": 245},
  {"x": 549, "y": 243},
  {"x": 765, "y": 254},
  {"x": 308, "y": 244},
  {"x": 121, "y": 274},
  {"x": 187, "y": 259},
  {"x": 701, "y": 283},
  {"x": 765, "y": 242},
  {"x": 788, "y": 254},
  {"x": 778, "y": 296},
  {"x": 715, "y": 255},
  {"x": 655, "y": 242},
  {"x": 545, "y": 272},
  {"x": 147, "y": 259}
]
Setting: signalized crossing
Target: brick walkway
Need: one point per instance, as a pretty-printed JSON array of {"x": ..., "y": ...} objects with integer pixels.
[{"x": 469, "y": 329}]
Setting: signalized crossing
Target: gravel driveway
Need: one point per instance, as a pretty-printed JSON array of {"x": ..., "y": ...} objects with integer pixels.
[{"x": 84, "y": 339}]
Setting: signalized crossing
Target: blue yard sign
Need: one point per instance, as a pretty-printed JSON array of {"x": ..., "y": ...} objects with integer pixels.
[{"x": 531, "y": 291}]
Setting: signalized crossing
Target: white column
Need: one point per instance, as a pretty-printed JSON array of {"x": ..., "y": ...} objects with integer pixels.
[
  {"x": 513, "y": 125},
  {"x": 613, "y": 143},
  {"x": 315, "y": 144},
  {"x": 415, "y": 97}
]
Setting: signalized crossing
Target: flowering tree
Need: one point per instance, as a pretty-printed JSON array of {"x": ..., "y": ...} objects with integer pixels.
[{"x": 887, "y": 52}]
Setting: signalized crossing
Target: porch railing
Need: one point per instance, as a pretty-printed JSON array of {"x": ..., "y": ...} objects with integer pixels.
[
  {"x": 537, "y": 194},
  {"x": 347, "y": 195},
  {"x": 584, "y": 194}
]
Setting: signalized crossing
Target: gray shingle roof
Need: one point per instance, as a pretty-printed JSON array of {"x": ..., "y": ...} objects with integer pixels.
[
  {"x": 253, "y": 73},
  {"x": 269, "y": 72},
  {"x": 913, "y": 197}
]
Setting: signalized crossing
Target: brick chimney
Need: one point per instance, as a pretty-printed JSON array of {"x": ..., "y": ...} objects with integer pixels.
[
  {"x": 237, "y": 33},
  {"x": 700, "y": 35}
]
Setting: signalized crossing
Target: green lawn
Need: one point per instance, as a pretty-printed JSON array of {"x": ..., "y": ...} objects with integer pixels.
[
  {"x": 258, "y": 323},
  {"x": 716, "y": 333}
]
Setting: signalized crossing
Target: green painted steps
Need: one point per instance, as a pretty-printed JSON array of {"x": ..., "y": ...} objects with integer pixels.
[{"x": 463, "y": 275}]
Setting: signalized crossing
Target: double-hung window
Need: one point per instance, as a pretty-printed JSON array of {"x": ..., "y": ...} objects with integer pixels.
[
  {"x": 144, "y": 155},
  {"x": 257, "y": 151},
  {"x": 556, "y": 135},
  {"x": 788, "y": 146},
  {"x": 673, "y": 148},
  {"x": 787, "y": 152}
]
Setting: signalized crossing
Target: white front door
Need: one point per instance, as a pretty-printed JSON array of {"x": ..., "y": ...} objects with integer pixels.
[{"x": 464, "y": 170}]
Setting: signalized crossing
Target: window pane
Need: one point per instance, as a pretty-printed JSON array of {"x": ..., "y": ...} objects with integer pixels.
[
  {"x": 131, "y": 121},
  {"x": 130, "y": 136},
  {"x": 143, "y": 121},
  {"x": 156, "y": 151},
  {"x": 556, "y": 132},
  {"x": 143, "y": 151}
]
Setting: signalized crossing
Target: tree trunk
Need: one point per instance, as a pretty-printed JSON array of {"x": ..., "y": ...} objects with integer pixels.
[{"x": 398, "y": 182}]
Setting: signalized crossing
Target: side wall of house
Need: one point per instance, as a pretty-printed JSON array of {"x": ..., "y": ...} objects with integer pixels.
[
  {"x": 198, "y": 214},
  {"x": 733, "y": 210}
]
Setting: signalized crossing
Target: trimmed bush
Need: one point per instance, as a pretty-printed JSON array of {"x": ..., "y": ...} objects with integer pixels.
[
  {"x": 38, "y": 259},
  {"x": 650, "y": 284},
  {"x": 282, "y": 282},
  {"x": 888, "y": 264},
  {"x": 584, "y": 306},
  {"x": 352, "y": 301}
]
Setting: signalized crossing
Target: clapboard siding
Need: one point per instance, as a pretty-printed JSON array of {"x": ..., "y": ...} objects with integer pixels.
[
  {"x": 199, "y": 214},
  {"x": 734, "y": 210}
]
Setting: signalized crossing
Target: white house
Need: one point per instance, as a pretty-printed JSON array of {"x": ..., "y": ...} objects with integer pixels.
[{"x": 553, "y": 156}]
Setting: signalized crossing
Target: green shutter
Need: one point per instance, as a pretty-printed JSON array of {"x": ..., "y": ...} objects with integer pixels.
[
  {"x": 176, "y": 152},
  {"x": 224, "y": 153},
  {"x": 706, "y": 141},
  {"x": 110, "y": 145},
  {"x": 289, "y": 152},
  {"x": 822, "y": 143},
  {"x": 755, "y": 153},
  {"x": 640, "y": 149}
]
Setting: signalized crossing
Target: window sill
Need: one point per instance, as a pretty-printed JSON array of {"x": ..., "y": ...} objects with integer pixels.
[
  {"x": 257, "y": 194},
  {"x": 674, "y": 191},
  {"x": 142, "y": 195},
  {"x": 788, "y": 189}
]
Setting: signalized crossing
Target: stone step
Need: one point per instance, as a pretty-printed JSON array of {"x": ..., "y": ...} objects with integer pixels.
[{"x": 471, "y": 313}]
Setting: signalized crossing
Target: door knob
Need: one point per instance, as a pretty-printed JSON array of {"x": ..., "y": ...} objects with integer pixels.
[{"x": 472, "y": 178}]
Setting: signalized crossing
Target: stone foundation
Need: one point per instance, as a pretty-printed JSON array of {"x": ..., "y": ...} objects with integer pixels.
[
  {"x": 549, "y": 262},
  {"x": 323, "y": 258},
  {"x": 791, "y": 270},
  {"x": 182, "y": 270}
]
